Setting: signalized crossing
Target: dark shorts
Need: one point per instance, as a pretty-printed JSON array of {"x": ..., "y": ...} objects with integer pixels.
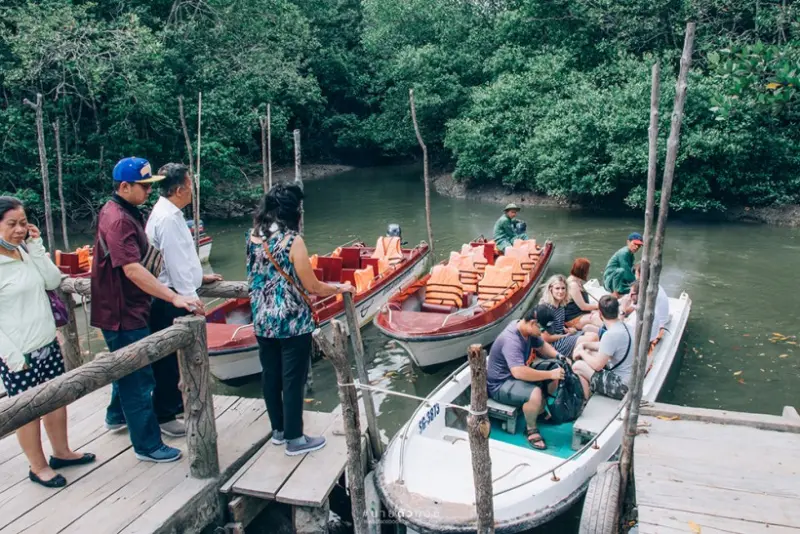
[
  {"x": 515, "y": 392},
  {"x": 45, "y": 364}
]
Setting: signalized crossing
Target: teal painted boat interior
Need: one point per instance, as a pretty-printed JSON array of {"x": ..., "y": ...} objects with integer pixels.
[{"x": 557, "y": 437}]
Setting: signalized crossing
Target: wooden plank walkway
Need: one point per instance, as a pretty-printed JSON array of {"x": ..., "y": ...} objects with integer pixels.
[
  {"x": 717, "y": 472},
  {"x": 118, "y": 493}
]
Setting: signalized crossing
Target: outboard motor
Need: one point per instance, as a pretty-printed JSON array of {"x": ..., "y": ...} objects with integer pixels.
[
  {"x": 520, "y": 227},
  {"x": 394, "y": 230}
]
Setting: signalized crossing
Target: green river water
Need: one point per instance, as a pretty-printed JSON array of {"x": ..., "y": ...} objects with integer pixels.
[{"x": 739, "y": 277}]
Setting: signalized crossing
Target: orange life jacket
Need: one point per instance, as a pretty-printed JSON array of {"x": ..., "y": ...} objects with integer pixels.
[{"x": 443, "y": 287}]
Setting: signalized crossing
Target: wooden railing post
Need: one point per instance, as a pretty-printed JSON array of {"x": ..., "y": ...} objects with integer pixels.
[
  {"x": 201, "y": 429},
  {"x": 478, "y": 427},
  {"x": 337, "y": 354},
  {"x": 71, "y": 349},
  {"x": 363, "y": 376}
]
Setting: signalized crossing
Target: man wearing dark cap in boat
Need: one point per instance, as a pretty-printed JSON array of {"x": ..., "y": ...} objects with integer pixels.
[
  {"x": 507, "y": 228},
  {"x": 618, "y": 276},
  {"x": 510, "y": 380}
]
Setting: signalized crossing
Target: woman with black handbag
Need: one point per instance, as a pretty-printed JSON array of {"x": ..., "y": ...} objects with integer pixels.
[
  {"x": 280, "y": 279},
  {"x": 29, "y": 351}
]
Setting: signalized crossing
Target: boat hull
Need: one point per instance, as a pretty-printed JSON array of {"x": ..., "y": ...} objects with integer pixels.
[
  {"x": 205, "y": 251},
  {"x": 425, "y": 480},
  {"x": 238, "y": 363}
]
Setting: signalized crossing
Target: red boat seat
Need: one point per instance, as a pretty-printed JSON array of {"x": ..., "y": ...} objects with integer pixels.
[
  {"x": 518, "y": 274},
  {"x": 351, "y": 257},
  {"x": 348, "y": 275},
  {"x": 436, "y": 308},
  {"x": 380, "y": 265},
  {"x": 497, "y": 284},
  {"x": 388, "y": 248},
  {"x": 444, "y": 287},
  {"x": 318, "y": 273},
  {"x": 331, "y": 268}
]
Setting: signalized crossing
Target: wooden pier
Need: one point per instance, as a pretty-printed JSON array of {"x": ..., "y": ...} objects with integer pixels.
[{"x": 713, "y": 471}]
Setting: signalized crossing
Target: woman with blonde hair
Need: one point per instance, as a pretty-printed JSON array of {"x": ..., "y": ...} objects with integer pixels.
[
  {"x": 580, "y": 313},
  {"x": 562, "y": 338}
]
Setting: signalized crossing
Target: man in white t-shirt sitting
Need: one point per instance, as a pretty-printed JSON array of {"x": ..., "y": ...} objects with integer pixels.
[
  {"x": 605, "y": 367},
  {"x": 629, "y": 304}
]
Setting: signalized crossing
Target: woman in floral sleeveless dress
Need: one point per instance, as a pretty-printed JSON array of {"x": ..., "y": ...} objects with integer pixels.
[{"x": 282, "y": 318}]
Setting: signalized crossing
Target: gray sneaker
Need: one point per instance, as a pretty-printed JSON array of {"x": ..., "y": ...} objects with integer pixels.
[
  {"x": 304, "y": 444},
  {"x": 277, "y": 437},
  {"x": 173, "y": 429}
]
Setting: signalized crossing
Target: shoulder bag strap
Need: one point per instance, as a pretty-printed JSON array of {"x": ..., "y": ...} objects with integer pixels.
[
  {"x": 627, "y": 351},
  {"x": 288, "y": 278}
]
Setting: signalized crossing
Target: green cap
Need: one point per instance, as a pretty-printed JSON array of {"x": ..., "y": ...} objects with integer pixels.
[{"x": 511, "y": 206}]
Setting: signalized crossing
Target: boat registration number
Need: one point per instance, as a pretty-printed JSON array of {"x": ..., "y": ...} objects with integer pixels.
[{"x": 428, "y": 418}]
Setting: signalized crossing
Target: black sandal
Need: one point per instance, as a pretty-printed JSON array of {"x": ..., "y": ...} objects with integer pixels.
[
  {"x": 57, "y": 481},
  {"x": 58, "y": 463},
  {"x": 535, "y": 437}
]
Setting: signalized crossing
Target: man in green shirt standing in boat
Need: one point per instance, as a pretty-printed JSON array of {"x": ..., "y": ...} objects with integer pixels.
[
  {"x": 618, "y": 276},
  {"x": 507, "y": 229}
]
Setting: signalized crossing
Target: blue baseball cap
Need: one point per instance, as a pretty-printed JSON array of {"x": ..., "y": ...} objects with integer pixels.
[
  {"x": 636, "y": 237},
  {"x": 135, "y": 171}
]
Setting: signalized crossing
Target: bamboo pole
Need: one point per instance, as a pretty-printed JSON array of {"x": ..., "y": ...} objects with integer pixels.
[
  {"x": 363, "y": 376},
  {"x": 196, "y": 204},
  {"x": 640, "y": 363},
  {"x": 269, "y": 144},
  {"x": 71, "y": 348},
  {"x": 60, "y": 176},
  {"x": 188, "y": 142},
  {"x": 658, "y": 246},
  {"x": 337, "y": 354},
  {"x": 263, "y": 122},
  {"x": 48, "y": 207},
  {"x": 298, "y": 174},
  {"x": 478, "y": 427},
  {"x": 424, "y": 168}
]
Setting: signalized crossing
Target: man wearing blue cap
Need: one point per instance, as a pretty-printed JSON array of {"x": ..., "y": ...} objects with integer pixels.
[
  {"x": 122, "y": 288},
  {"x": 618, "y": 276}
]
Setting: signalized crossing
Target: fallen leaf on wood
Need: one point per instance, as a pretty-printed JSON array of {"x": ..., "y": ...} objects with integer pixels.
[
  {"x": 695, "y": 527},
  {"x": 737, "y": 373},
  {"x": 668, "y": 417}
]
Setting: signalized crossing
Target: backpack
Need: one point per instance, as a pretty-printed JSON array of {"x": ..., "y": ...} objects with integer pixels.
[{"x": 566, "y": 403}]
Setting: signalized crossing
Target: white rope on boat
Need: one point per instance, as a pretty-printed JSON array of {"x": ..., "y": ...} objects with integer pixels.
[{"x": 356, "y": 384}]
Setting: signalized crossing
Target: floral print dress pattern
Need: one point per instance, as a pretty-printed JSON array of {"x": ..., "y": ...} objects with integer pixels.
[{"x": 279, "y": 311}]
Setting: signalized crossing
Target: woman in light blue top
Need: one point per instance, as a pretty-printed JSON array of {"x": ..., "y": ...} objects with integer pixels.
[
  {"x": 281, "y": 279},
  {"x": 29, "y": 351}
]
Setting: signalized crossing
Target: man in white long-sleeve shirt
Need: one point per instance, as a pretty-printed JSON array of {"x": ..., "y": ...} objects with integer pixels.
[{"x": 167, "y": 231}]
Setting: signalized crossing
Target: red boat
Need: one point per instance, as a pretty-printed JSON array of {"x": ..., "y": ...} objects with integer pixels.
[
  {"x": 465, "y": 300},
  {"x": 376, "y": 273},
  {"x": 76, "y": 264}
]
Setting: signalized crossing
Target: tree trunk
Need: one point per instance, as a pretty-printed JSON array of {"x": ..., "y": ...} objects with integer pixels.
[
  {"x": 363, "y": 376},
  {"x": 59, "y": 174},
  {"x": 478, "y": 428},
  {"x": 48, "y": 208},
  {"x": 188, "y": 141},
  {"x": 201, "y": 430},
  {"x": 298, "y": 174},
  {"x": 425, "y": 173},
  {"x": 337, "y": 354},
  {"x": 71, "y": 349},
  {"x": 658, "y": 246},
  {"x": 263, "y": 122},
  {"x": 269, "y": 145}
]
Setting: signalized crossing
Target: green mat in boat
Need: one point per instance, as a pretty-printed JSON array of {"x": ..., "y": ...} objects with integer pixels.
[{"x": 557, "y": 437}]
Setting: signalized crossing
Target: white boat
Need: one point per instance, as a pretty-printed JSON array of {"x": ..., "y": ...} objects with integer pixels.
[
  {"x": 425, "y": 477},
  {"x": 204, "y": 249}
]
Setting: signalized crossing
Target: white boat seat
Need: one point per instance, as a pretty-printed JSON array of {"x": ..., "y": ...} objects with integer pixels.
[
  {"x": 597, "y": 413},
  {"x": 507, "y": 415}
]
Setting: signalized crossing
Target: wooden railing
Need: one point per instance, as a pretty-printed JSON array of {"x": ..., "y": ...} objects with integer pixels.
[{"x": 187, "y": 337}]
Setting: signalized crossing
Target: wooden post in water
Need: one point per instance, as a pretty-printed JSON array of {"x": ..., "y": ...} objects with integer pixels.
[
  {"x": 640, "y": 362},
  {"x": 201, "y": 429},
  {"x": 188, "y": 142},
  {"x": 269, "y": 144},
  {"x": 60, "y": 176},
  {"x": 348, "y": 396},
  {"x": 196, "y": 196},
  {"x": 426, "y": 176},
  {"x": 658, "y": 247},
  {"x": 263, "y": 122},
  {"x": 71, "y": 349},
  {"x": 363, "y": 376},
  {"x": 478, "y": 427},
  {"x": 48, "y": 207}
]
